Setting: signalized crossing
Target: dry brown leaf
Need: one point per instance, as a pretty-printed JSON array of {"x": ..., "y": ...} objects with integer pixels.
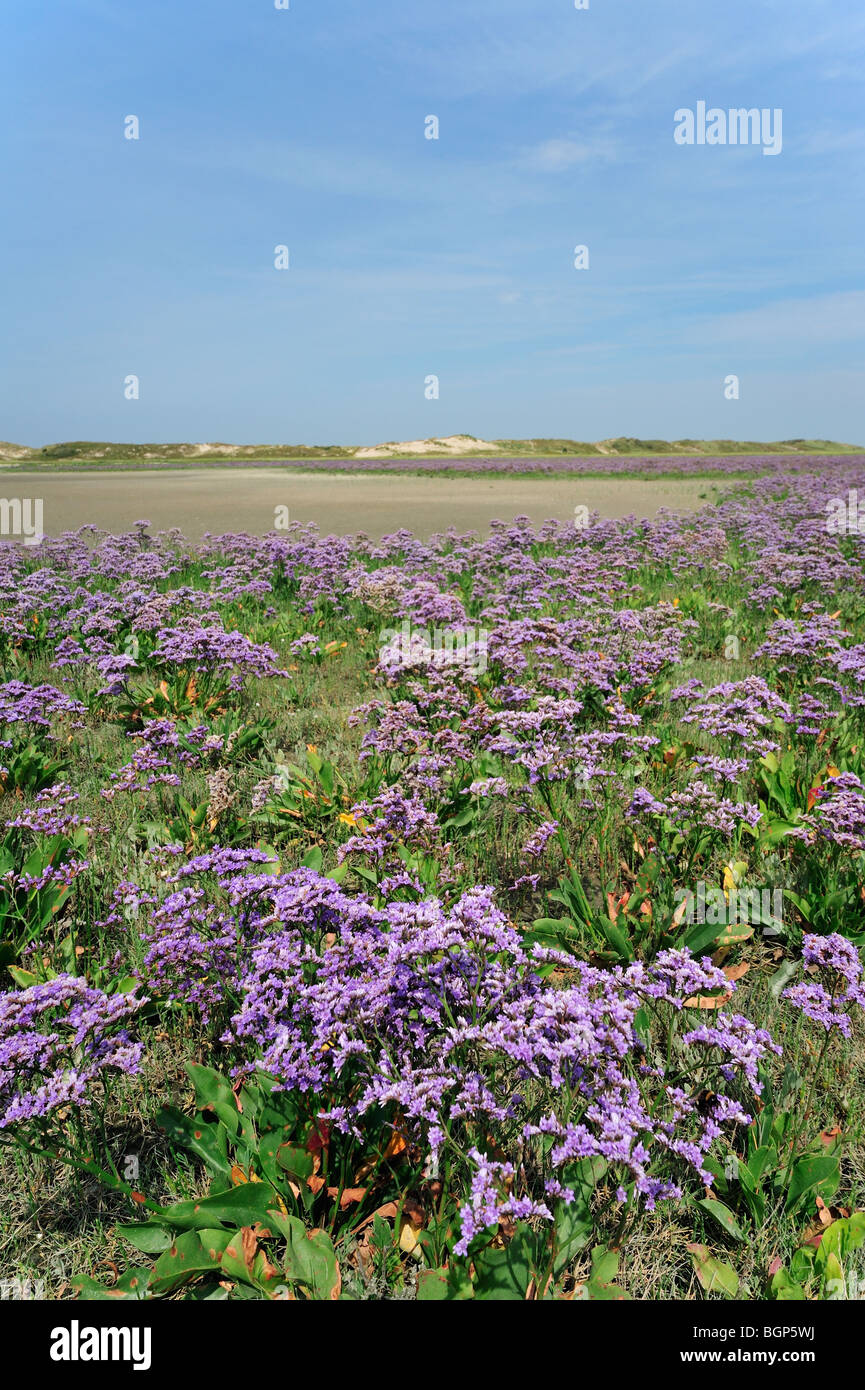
[
  {"x": 388, "y": 1212},
  {"x": 708, "y": 1001},
  {"x": 614, "y": 905},
  {"x": 717, "y": 1001},
  {"x": 249, "y": 1246},
  {"x": 395, "y": 1145},
  {"x": 680, "y": 913},
  {"x": 238, "y": 1176},
  {"x": 349, "y": 1195},
  {"x": 735, "y": 972}
]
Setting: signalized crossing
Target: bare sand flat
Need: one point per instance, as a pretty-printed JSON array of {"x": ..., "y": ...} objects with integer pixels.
[{"x": 219, "y": 500}]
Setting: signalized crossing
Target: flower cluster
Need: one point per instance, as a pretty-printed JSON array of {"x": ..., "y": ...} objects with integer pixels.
[
  {"x": 829, "y": 999},
  {"x": 445, "y": 1015},
  {"x": 213, "y": 651},
  {"x": 57, "y": 1041}
]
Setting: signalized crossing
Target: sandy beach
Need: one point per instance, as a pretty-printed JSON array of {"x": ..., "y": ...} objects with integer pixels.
[{"x": 216, "y": 500}]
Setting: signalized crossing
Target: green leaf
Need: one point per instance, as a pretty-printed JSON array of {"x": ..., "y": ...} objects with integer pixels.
[
  {"x": 802, "y": 1265},
  {"x": 124, "y": 985},
  {"x": 714, "y": 1275},
  {"x": 834, "y": 1284},
  {"x": 213, "y": 1092},
  {"x": 802, "y": 904},
  {"x": 24, "y": 978},
  {"x": 150, "y": 1236},
  {"x": 207, "y": 1141},
  {"x": 262, "y": 1275},
  {"x": 452, "y": 1284},
  {"x": 617, "y": 939},
  {"x": 432, "y": 1286},
  {"x": 573, "y": 1228},
  {"x": 785, "y": 1289},
  {"x": 552, "y": 926},
  {"x": 702, "y": 936},
  {"x": 600, "y": 1286},
  {"x": 131, "y": 1286},
  {"x": 504, "y": 1274},
  {"x": 820, "y": 1176},
  {"x": 761, "y": 1160},
  {"x": 274, "y": 864},
  {"x": 841, "y": 1238},
  {"x": 720, "y": 1181},
  {"x": 599, "y": 1292},
  {"x": 313, "y": 859},
  {"x": 776, "y": 832},
  {"x": 310, "y": 1259},
  {"x": 605, "y": 1264},
  {"x": 239, "y": 1206},
  {"x": 724, "y": 1217},
  {"x": 296, "y": 1162},
  {"x": 192, "y": 1254},
  {"x": 751, "y": 1193}
]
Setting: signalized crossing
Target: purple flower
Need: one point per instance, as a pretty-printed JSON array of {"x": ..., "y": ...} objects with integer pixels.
[
  {"x": 828, "y": 1001},
  {"x": 742, "y": 1046},
  {"x": 539, "y": 839},
  {"x": 491, "y": 1200},
  {"x": 57, "y": 1041}
]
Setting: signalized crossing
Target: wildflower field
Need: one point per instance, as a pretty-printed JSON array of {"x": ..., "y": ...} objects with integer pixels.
[{"x": 473, "y": 918}]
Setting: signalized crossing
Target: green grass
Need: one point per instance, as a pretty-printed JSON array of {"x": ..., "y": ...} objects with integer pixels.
[{"x": 105, "y": 454}]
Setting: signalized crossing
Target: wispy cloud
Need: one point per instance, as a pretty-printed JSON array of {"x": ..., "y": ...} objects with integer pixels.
[
  {"x": 826, "y": 318},
  {"x": 556, "y": 155}
]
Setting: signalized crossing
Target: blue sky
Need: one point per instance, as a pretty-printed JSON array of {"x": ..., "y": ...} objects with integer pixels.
[{"x": 411, "y": 257}]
